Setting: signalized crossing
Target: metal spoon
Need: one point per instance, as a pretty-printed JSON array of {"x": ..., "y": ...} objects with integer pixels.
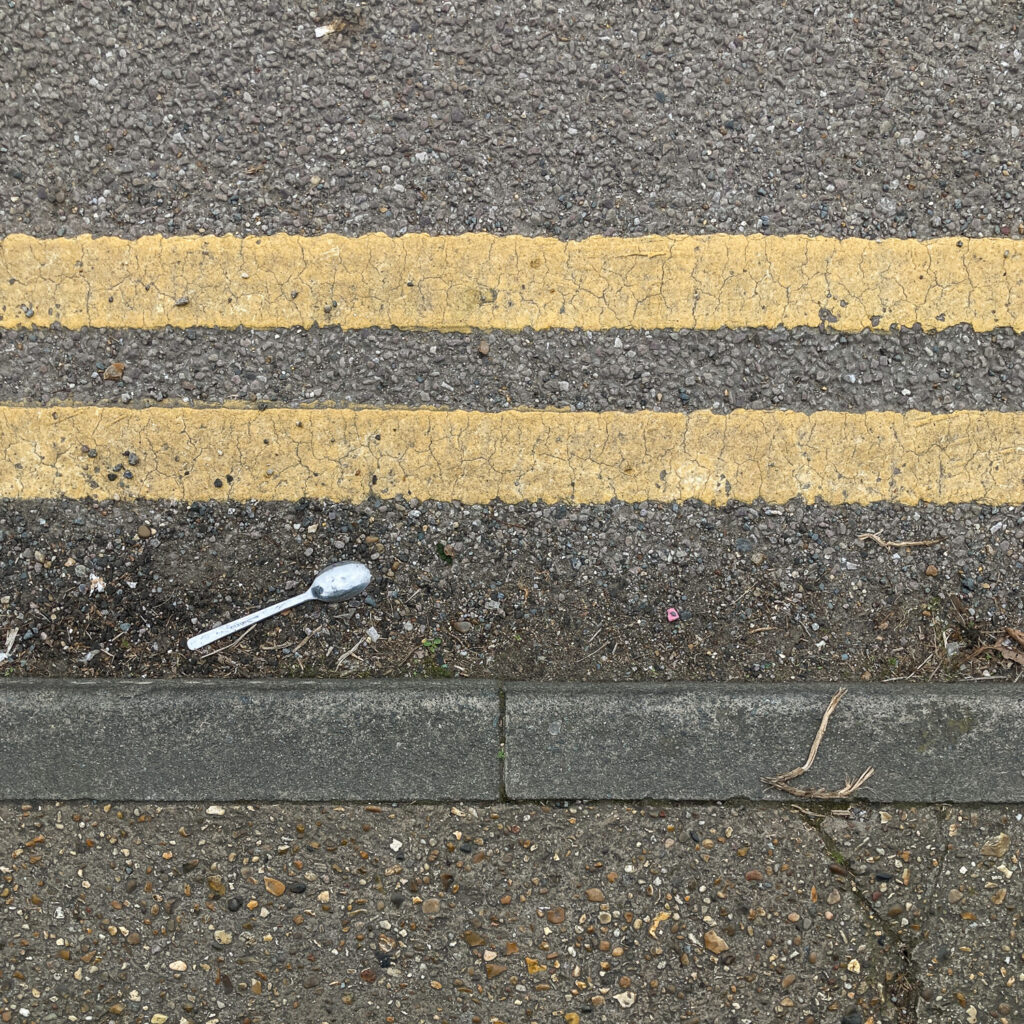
[{"x": 337, "y": 582}]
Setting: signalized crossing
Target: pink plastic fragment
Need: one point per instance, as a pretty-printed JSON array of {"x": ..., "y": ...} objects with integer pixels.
[{"x": 672, "y": 614}]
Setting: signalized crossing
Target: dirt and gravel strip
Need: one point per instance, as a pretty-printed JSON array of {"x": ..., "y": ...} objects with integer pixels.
[{"x": 544, "y": 592}]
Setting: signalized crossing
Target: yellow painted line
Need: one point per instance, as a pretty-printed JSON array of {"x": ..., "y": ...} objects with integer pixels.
[
  {"x": 461, "y": 282},
  {"x": 349, "y": 454}
]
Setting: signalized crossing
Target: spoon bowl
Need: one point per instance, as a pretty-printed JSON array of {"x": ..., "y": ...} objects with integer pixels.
[{"x": 340, "y": 581}]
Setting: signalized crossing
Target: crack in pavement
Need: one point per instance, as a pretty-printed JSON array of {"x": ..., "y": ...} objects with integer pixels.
[{"x": 901, "y": 984}]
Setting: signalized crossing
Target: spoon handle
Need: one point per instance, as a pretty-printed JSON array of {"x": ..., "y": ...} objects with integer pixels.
[{"x": 225, "y": 628}]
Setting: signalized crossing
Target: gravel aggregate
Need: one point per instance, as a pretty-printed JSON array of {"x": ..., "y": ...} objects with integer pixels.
[{"x": 945, "y": 881}]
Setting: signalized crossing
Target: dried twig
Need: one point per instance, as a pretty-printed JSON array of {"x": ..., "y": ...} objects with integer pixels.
[
  {"x": 1010, "y": 646},
  {"x": 882, "y": 542},
  {"x": 227, "y": 647},
  {"x": 806, "y": 812},
  {"x": 405, "y": 660},
  {"x": 781, "y": 782},
  {"x": 836, "y": 812},
  {"x": 818, "y": 793},
  {"x": 1006, "y": 648},
  {"x": 12, "y": 636},
  {"x": 305, "y": 640},
  {"x": 806, "y": 766},
  {"x": 295, "y": 647},
  {"x": 913, "y": 674},
  {"x": 350, "y": 652}
]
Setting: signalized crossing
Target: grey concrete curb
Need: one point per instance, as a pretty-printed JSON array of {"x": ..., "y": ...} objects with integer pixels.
[
  {"x": 384, "y": 740},
  {"x": 261, "y": 740},
  {"x": 715, "y": 741}
]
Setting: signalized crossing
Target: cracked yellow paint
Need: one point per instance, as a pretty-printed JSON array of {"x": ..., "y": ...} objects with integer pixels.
[
  {"x": 351, "y": 454},
  {"x": 461, "y": 282}
]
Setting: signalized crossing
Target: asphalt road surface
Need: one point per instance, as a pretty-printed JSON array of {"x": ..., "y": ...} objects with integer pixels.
[
  {"x": 872, "y": 120},
  {"x": 530, "y": 118}
]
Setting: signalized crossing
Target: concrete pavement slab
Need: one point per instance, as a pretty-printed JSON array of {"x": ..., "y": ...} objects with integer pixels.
[{"x": 661, "y": 914}]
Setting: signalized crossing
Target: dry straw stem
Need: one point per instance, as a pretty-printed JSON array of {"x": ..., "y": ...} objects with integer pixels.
[
  {"x": 227, "y": 647},
  {"x": 887, "y": 544},
  {"x": 1010, "y": 645},
  {"x": 781, "y": 782}
]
